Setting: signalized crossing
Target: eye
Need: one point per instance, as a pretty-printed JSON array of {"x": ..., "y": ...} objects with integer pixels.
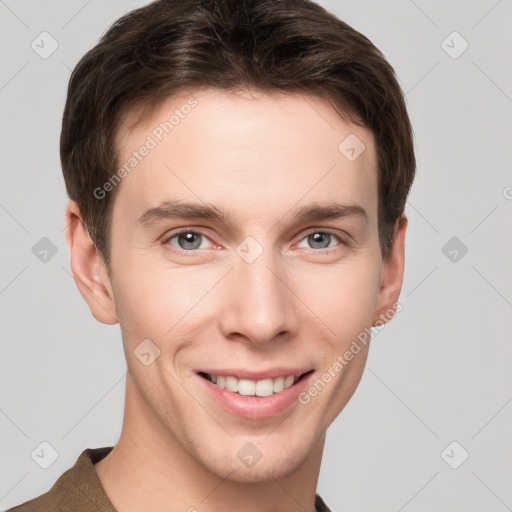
[
  {"x": 186, "y": 240},
  {"x": 189, "y": 240},
  {"x": 321, "y": 239}
]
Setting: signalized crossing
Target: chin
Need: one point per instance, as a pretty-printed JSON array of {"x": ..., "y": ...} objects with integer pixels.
[
  {"x": 265, "y": 469},
  {"x": 260, "y": 473}
]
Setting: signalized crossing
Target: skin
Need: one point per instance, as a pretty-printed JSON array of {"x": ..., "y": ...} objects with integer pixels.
[{"x": 258, "y": 156}]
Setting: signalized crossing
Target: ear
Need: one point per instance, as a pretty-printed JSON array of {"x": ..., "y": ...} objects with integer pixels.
[
  {"x": 392, "y": 275},
  {"x": 88, "y": 267}
]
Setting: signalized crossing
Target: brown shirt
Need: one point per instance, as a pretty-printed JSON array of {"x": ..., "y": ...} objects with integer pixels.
[{"x": 79, "y": 489}]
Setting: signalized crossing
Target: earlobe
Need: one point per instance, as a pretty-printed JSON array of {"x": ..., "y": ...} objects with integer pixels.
[
  {"x": 392, "y": 275},
  {"x": 88, "y": 268}
]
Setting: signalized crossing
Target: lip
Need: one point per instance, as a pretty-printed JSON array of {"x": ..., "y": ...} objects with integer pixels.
[
  {"x": 270, "y": 373},
  {"x": 255, "y": 407}
]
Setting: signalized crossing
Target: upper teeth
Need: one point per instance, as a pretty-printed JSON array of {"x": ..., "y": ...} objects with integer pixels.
[{"x": 265, "y": 387}]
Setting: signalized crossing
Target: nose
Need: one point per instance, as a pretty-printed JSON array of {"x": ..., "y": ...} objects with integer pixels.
[{"x": 258, "y": 304}]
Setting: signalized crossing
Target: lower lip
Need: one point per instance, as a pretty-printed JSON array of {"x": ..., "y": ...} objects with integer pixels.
[{"x": 256, "y": 407}]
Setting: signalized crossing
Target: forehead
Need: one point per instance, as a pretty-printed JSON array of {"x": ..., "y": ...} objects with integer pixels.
[{"x": 249, "y": 149}]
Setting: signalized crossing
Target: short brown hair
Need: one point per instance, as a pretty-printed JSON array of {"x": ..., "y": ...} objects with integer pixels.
[{"x": 270, "y": 45}]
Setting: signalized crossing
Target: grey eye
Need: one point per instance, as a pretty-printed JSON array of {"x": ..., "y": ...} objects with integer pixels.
[
  {"x": 320, "y": 240},
  {"x": 189, "y": 241}
]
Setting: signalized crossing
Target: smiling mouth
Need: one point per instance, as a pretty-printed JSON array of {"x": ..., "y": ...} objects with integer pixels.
[{"x": 247, "y": 387}]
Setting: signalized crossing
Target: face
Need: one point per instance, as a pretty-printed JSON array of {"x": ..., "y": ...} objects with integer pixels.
[{"x": 245, "y": 262}]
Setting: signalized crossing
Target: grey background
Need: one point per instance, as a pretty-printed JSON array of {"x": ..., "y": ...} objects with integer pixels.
[{"x": 438, "y": 373}]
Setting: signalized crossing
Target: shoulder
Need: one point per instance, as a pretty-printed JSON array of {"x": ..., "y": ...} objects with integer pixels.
[
  {"x": 320, "y": 505},
  {"x": 43, "y": 503},
  {"x": 77, "y": 490}
]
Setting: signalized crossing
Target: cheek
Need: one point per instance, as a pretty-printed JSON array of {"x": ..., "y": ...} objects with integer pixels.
[
  {"x": 157, "y": 301},
  {"x": 343, "y": 298},
  {"x": 161, "y": 301}
]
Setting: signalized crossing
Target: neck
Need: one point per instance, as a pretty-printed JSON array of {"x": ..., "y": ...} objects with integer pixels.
[{"x": 149, "y": 469}]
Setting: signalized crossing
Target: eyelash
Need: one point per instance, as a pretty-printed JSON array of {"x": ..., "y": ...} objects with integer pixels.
[{"x": 338, "y": 237}]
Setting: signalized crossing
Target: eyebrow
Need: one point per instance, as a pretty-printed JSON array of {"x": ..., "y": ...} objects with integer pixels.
[{"x": 312, "y": 212}]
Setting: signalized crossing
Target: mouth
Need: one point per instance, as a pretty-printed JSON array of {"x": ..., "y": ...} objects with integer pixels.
[
  {"x": 255, "y": 395},
  {"x": 259, "y": 388}
]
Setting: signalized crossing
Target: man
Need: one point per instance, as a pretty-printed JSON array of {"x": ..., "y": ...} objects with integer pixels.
[{"x": 237, "y": 174}]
